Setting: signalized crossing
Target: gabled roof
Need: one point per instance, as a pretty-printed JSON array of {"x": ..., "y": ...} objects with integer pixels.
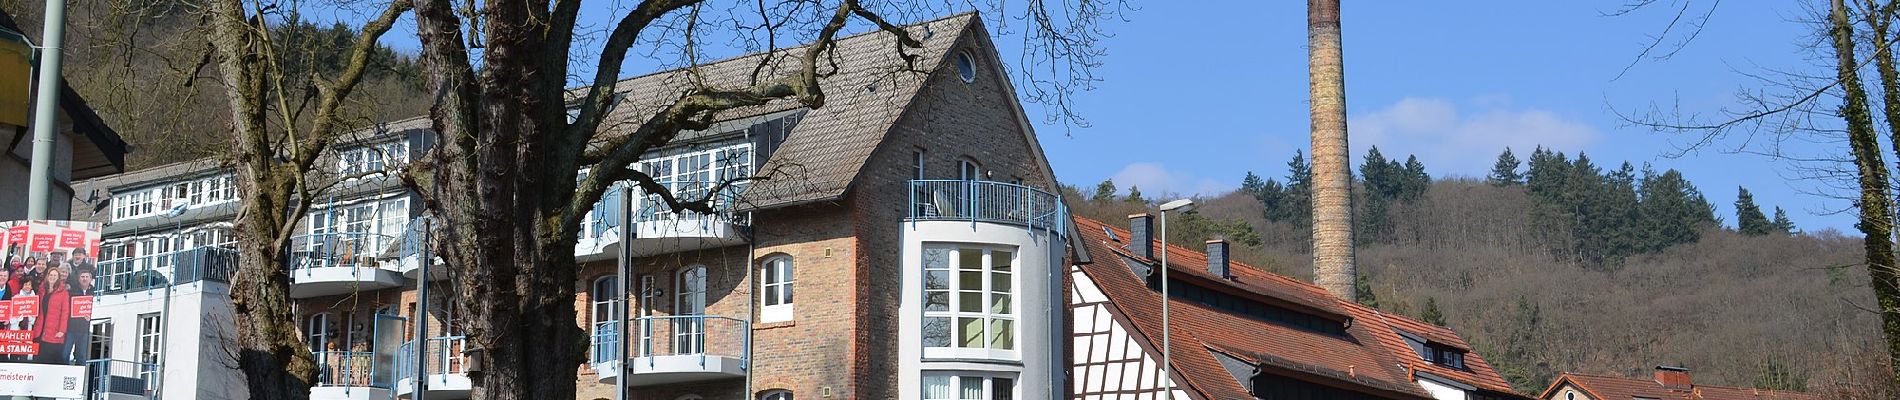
[
  {"x": 1359, "y": 360},
  {"x": 1477, "y": 373},
  {"x": 871, "y": 87},
  {"x": 1600, "y": 387}
]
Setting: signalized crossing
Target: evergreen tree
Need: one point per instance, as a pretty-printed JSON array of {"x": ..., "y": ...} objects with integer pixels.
[
  {"x": 1416, "y": 180},
  {"x": 1366, "y": 297},
  {"x": 1782, "y": 224},
  {"x": 1380, "y": 178},
  {"x": 1673, "y": 211},
  {"x": 1295, "y": 203},
  {"x": 1748, "y": 217},
  {"x": 1504, "y": 173},
  {"x": 1104, "y": 191},
  {"x": 1134, "y": 195},
  {"x": 1432, "y": 315},
  {"x": 1252, "y": 184}
]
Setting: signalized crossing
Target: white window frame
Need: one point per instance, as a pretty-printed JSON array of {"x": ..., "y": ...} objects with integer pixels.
[
  {"x": 151, "y": 337},
  {"x": 689, "y": 301},
  {"x": 917, "y": 164},
  {"x": 969, "y": 170},
  {"x": 776, "y": 394},
  {"x": 988, "y": 313},
  {"x": 776, "y": 277},
  {"x": 160, "y": 199},
  {"x": 382, "y": 220},
  {"x": 599, "y": 317},
  {"x": 954, "y": 381},
  {"x": 385, "y": 157},
  {"x": 317, "y": 333},
  {"x": 709, "y": 168},
  {"x": 99, "y": 346}
]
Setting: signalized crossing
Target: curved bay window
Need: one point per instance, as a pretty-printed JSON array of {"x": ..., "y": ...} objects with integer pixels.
[{"x": 969, "y": 302}]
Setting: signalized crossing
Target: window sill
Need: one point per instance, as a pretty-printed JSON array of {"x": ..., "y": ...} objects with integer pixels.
[{"x": 774, "y": 325}]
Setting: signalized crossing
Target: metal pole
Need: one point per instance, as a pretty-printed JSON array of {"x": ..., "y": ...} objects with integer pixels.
[
  {"x": 46, "y": 112},
  {"x": 620, "y": 280},
  {"x": 164, "y": 314},
  {"x": 417, "y": 391},
  {"x": 1167, "y": 345}
]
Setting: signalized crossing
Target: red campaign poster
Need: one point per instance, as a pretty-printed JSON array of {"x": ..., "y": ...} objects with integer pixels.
[
  {"x": 6, "y": 310},
  {"x": 42, "y": 243},
  {"x": 72, "y": 238},
  {"x": 19, "y": 348},
  {"x": 16, "y": 336},
  {"x": 25, "y": 306},
  {"x": 16, "y": 234},
  {"x": 82, "y": 306}
]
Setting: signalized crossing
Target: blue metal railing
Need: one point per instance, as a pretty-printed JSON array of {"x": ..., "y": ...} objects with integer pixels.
[
  {"x": 985, "y": 201},
  {"x": 106, "y": 377},
  {"x": 680, "y": 335},
  {"x": 443, "y": 353},
  {"x": 201, "y": 264},
  {"x": 413, "y": 239},
  {"x": 355, "y": 250},
  {"x": 347, "y": 369}
]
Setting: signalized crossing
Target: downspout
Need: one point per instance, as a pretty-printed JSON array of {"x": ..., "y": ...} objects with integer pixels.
[{"x": 751, "y": 253}]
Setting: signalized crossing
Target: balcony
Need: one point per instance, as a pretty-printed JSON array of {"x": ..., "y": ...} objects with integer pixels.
[
  {"x": 675, "y": 349},
  {"x": 447, "y": 368},
  {"x": 120, "y": 380},
  {"x": 350, "y": 375},
  {"x": 176, "y": 268},
  {"x": 340, "y": 263},
  {"x": 408, "y": 249},
  {"x": 985, "y": 201},
  {"x": 655, "y": 231}
]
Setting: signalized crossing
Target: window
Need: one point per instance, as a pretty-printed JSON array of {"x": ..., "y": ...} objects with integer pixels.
[
  {"x": 605, "y": 300},
  {"x": 320, "y": 332},
  {"x": 100, "y": 346},
  {"x": 968, "y": 387},
  {"x": 153, "y": 201},
  {"x": 966, "y": 66},
  {"x": 775, "y": 277},
  {"x": 151, "y": 336},
  {"x": 968, "y": 170},
  {"x": 969, "y": 302},
  {"x": 776, "y": 394},
  {"x": 372, "y": 158},
  {"x": 691, "y": 175},
  {"x": 917, "y": 164},
  {"x": 366, "y": 227},
  {"x": 689, "y": 334}
]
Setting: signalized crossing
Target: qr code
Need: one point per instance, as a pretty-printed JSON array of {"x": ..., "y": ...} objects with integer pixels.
[{"x": 71, "y": 383}]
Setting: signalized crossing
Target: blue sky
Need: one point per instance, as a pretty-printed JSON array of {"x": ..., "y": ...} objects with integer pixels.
[
  {"x": 1195, "y": 94},
  {"x": 1452, "y": 82}
]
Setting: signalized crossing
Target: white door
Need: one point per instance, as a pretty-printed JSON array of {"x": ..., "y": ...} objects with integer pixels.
[{"x": 689, "y": 302}]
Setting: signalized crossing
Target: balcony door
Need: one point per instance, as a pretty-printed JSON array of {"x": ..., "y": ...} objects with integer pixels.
[{"x": 689, "y": 302}]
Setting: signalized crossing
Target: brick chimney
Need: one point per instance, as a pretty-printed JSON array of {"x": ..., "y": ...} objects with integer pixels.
[
  {"x": 1217, "y": 258},
  {"x": 1141, "y": 238},
  {"x": 1673, "y": 377}
]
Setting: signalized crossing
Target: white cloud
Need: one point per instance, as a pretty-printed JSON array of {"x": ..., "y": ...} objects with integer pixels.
[
  {"x": 1466, "y": 143},
  {"x": 1155, "y": 180}
]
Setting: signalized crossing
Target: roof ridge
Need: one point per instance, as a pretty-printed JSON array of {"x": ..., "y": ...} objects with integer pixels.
[{"x": 737, "y": 57}]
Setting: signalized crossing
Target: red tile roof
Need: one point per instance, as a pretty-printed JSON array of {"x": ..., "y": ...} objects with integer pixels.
[
  {"x": 1371, "y": 358},
  {"x": 1619, "y": 388}
]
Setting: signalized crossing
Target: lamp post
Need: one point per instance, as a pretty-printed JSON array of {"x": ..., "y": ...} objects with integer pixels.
[
  {"x": 1167, "y": 345},
  {"x": 164, "y": 314}
]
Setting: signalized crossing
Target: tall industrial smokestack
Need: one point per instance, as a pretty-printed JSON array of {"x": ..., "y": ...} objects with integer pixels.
[{"x": 1332, "y": 179}]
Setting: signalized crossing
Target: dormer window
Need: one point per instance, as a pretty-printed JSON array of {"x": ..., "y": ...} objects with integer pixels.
[{"x": 1435, "y": 353}]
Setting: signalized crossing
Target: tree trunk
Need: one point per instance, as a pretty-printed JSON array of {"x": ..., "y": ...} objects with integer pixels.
[
  {"x": 1875, "y": 197},
  {"x": 1332, "y": 177},
  {"x": 271, "y": 353}
]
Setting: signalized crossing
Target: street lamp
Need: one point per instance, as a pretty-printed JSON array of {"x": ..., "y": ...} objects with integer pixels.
[{"x": 1167, "y": 345}]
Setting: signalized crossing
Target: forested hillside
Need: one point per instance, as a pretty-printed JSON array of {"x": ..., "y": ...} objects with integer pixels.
[
  {"x": 1563, "y": 265},
  {"x": 136, "y": 62}
]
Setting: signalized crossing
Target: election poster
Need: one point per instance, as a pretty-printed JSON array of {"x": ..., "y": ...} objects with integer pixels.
[{"x": 46, "y": 286}]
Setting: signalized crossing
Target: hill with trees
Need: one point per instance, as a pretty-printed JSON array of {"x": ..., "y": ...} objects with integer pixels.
[{"x": 1558, "y": 264}]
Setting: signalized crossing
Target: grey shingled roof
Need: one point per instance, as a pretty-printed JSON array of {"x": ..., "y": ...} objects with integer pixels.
[{"x": 871, "y": 88}]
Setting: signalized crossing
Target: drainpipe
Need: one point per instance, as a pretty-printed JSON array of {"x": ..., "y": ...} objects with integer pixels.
[
  {"x": 46, "y": 112},
  {"x": 751, "y": 253},
  {"x": 418, "y": 387}
]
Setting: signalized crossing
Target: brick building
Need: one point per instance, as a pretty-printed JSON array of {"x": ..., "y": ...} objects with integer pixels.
[
  {"x": 912, "y": 216},
  {"x": 1239, "y": 332}
]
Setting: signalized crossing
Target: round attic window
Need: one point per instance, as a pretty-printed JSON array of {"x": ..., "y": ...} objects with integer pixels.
[{"x": 966, "y": 66}]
